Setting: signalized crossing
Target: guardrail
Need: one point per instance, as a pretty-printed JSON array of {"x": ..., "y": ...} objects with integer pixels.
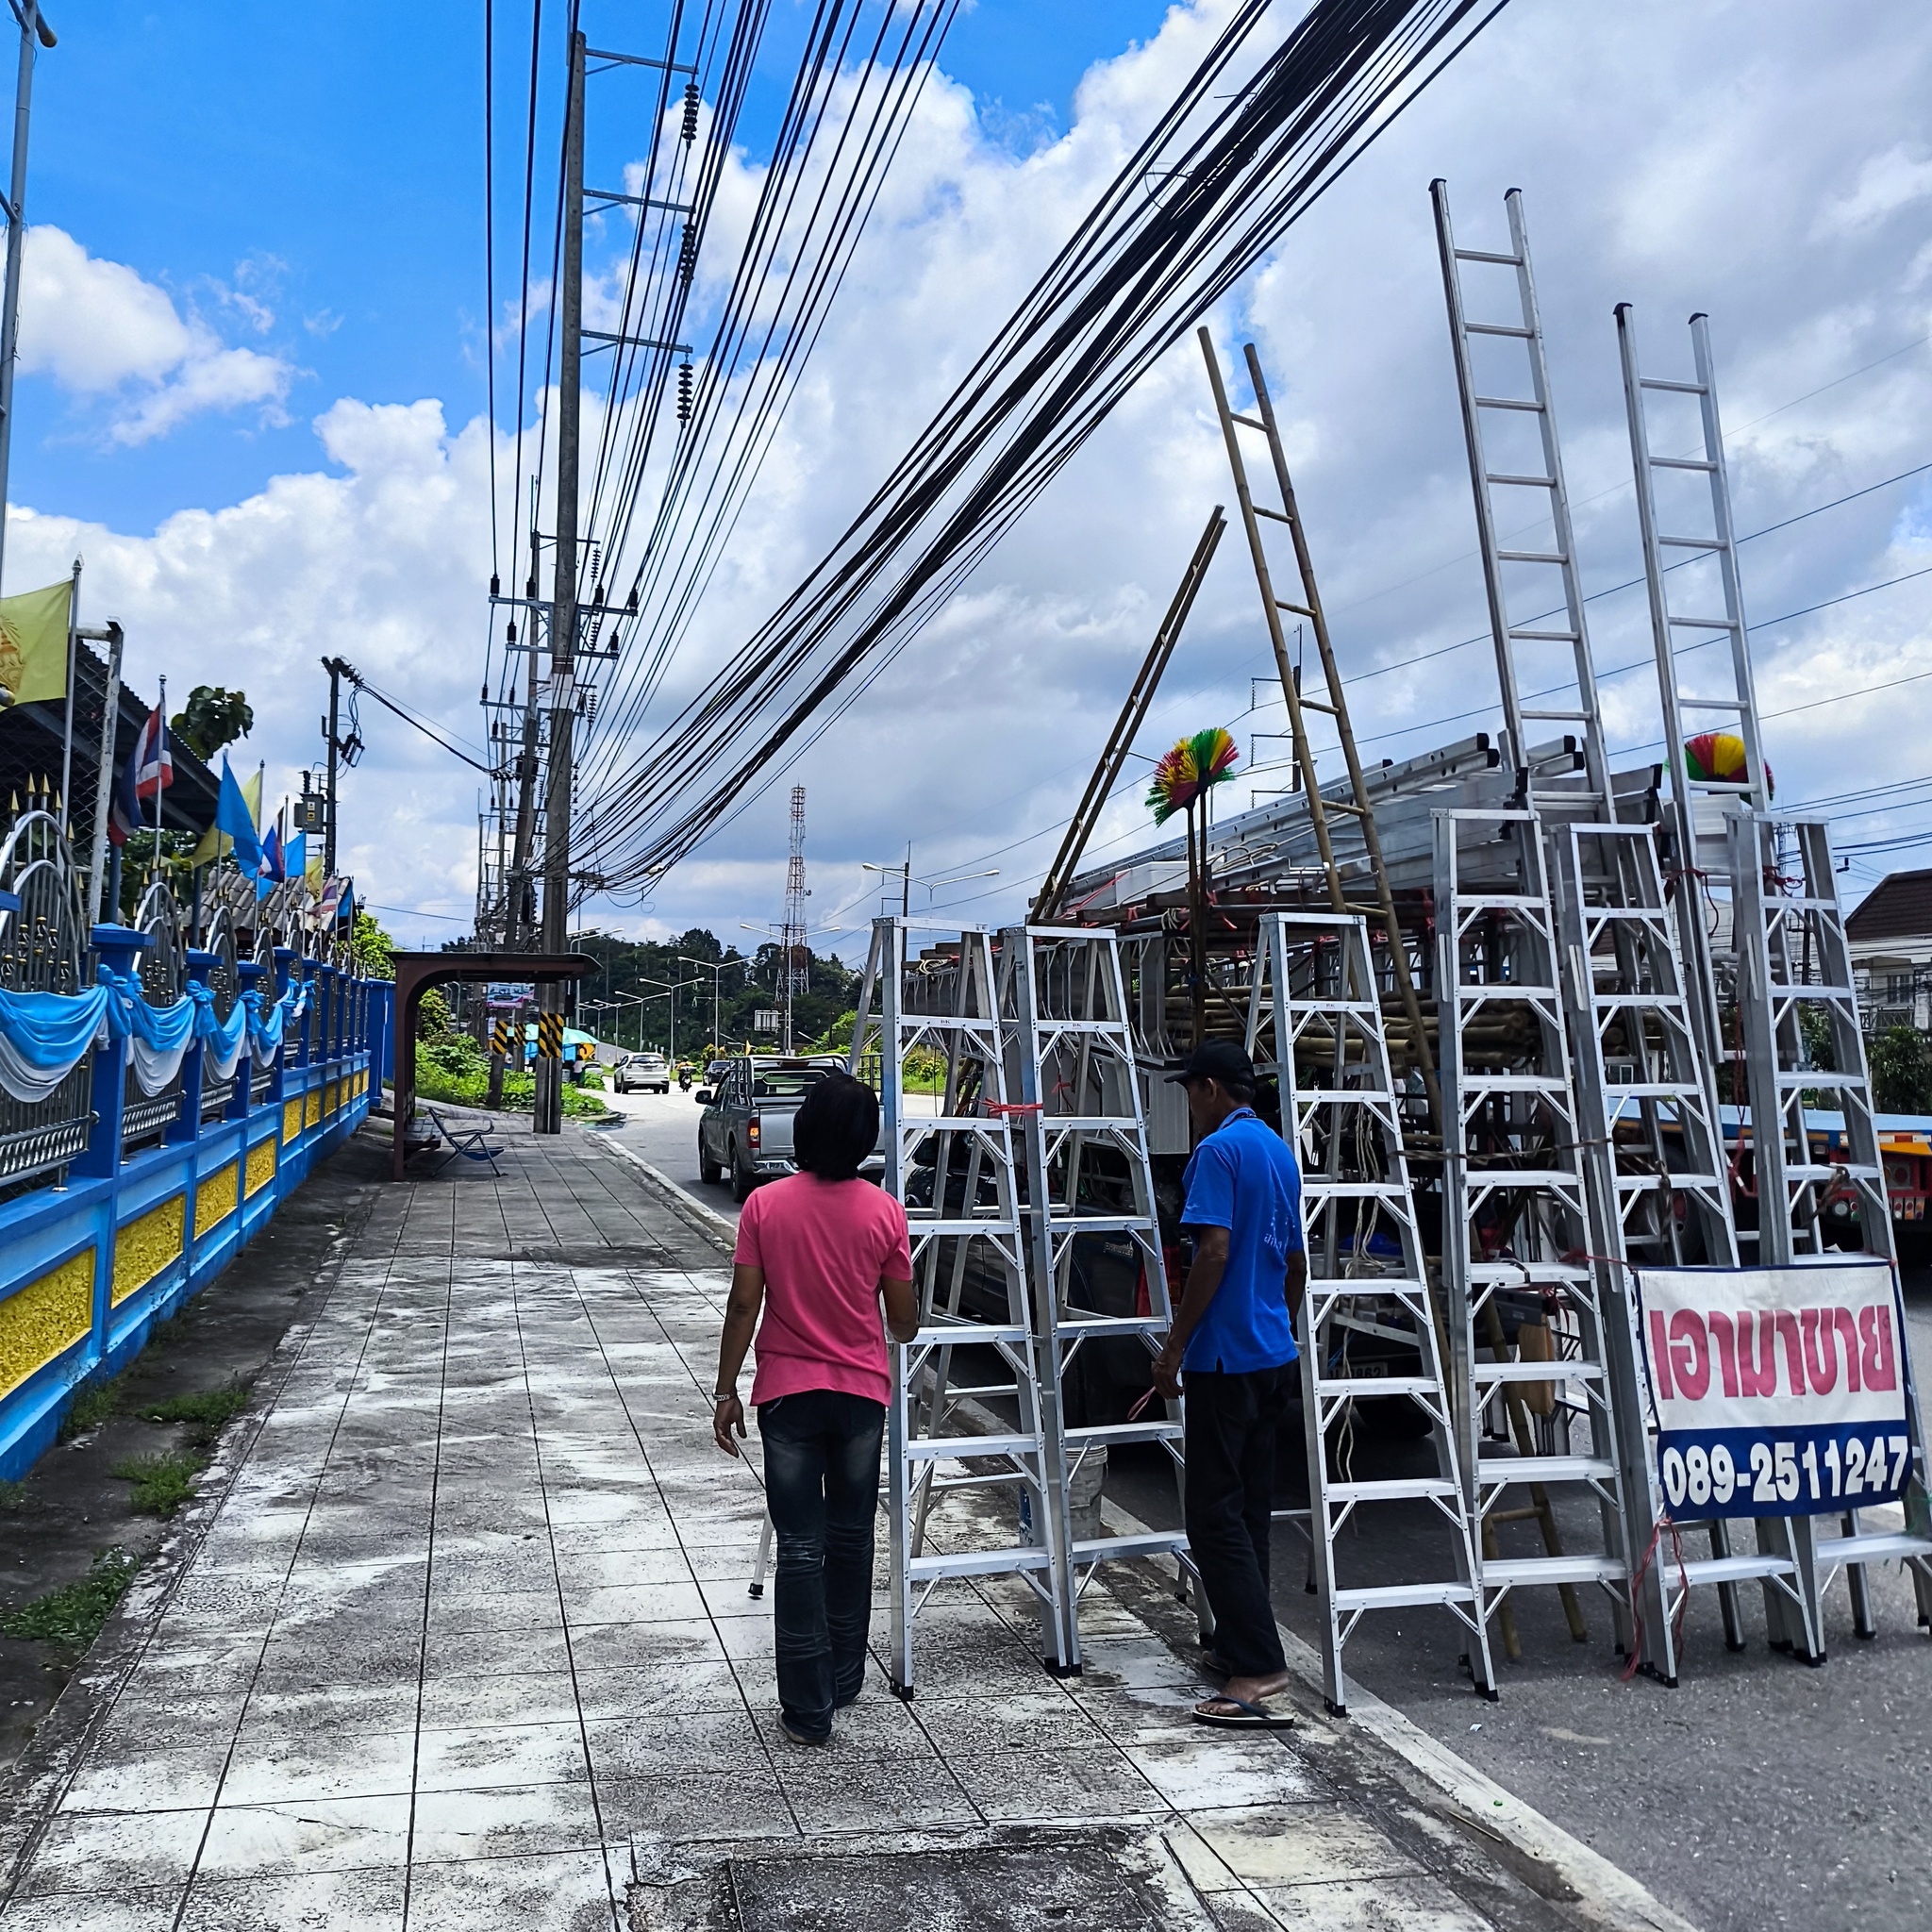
[{"x": 121, "y": 1204}]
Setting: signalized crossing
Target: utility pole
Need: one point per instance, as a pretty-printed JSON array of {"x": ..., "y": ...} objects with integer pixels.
[
  {"x": 796, "y": 973},
  {"x": 338, "y": 668},
  {"x": 563, "y": 621},
  {"x": 33, "y": 27}
]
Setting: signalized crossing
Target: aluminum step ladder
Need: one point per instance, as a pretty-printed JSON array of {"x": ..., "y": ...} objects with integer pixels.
[
  {"x": 1661, "y": 1182},
  {"x": 1794, "y": 958},
  {"x": 946, "y": 1004},
  {"x": 1518, "y": 487},
  {"x": 1087, "y": 1178},
  {"x": 1516, "y": 1223},
  {"x": 1315, "y": 1017}
]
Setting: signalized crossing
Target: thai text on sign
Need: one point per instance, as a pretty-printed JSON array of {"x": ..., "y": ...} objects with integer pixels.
[{"x": 1779, "y": 1392}]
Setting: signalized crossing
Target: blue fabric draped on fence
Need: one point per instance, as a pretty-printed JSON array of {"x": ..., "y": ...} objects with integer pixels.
[{"x": 43, "y": 1036}]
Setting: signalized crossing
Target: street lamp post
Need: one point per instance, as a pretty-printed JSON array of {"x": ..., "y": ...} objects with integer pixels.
[
  {"x": 717, "y": 971},
  {"x": 674, "y": 987},
  {"x": 908, "y": 881},
  {"x": 33, "y": 27}
]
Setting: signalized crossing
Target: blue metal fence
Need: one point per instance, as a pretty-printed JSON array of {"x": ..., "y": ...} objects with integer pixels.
[{"x": 122, "y": 1237}]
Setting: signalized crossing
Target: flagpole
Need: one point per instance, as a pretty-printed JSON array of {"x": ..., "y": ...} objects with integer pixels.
[
  {"x": 67, "y": 735},
  {"x": 160, "y": 766}
]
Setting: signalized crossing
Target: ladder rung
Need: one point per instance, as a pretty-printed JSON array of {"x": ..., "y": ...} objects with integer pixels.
[
  {"x": 1559, "y": 717},
  {"x": 1509, "y": 403},
  {"x": 1497, "y": 1372},
  {"x": 1488, "y": 255},
  {"x": 1276, "y": 516},
  {"x": 1395, "y": 1489},
  {"x": 1155, "y": 1542},
  {"x": 1327, "y": 711},
  {"x": 1737, "y": 705},
  {"x": 1519, "y": 1571},
  {"x": 1526, "y": 482},
  {"x": 974, "y": 1563},
  {"x": 1878, "y": 1547},
  {"x": 1343, "y": 805},
  {"x": 1681, "y": 463},
  {"x": 1126, "y": 1432},
  {"x": 1703, "y": 624},
  {"x": 1544, "y": 1469},
  {"x": 1694, "y": 543},
  {"x": 1401, "y": 1596},
  {"x": 1498, "y": 328},
  {"x": 1544, "y": 637},
  {"x": 951, "y": 1448},
  {"x": 1382, "y": 1385},
  {"x": 1531, "y": 556},
  {"x": 1295, "y": 610},
  {"x": 1247, "y": 421},
  {"x": 1744, "y": 1569},
  {"x": 1682, "y": 389}
]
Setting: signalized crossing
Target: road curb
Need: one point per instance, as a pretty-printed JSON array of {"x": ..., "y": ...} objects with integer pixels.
[{"x": 708, "y": 1221}]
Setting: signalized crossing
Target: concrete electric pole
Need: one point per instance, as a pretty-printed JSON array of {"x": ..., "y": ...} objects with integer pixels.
[{"x": 563, "y": 619}]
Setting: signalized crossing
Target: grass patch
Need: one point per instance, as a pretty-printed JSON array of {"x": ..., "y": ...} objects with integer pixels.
[
  {"x": 583, "y": 1106},
  {"x": 162, "y": 1481},
  {"x": 72, "y": 1615},
  {"x": 12, "y": 1496},
  {"x": 204, "y": 1413},
  {"x": 92, "y": 1406}
]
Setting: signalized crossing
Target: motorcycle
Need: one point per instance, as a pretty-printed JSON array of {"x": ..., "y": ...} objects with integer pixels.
[{"x": 684, "y": 1079}]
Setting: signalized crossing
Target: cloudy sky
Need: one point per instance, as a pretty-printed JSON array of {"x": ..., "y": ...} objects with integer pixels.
[{"x": 254, "y": 339}]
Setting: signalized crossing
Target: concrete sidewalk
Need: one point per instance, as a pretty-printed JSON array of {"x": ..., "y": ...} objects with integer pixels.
[{"x": 460, "y": 1637}]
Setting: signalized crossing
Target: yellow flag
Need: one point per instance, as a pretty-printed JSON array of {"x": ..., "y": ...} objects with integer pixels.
[
  {"x": 33, "y": 645},
  {"x": 215, "y": 844}
]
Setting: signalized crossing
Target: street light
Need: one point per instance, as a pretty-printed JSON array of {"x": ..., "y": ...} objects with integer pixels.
[
  {"x": 906, "y": 881},
  {"x": 674, "y": 987},
  {"x": 716, "y": 969}
]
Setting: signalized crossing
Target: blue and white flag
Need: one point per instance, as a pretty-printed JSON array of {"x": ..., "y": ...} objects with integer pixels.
[{"x": 237, "y": 822}]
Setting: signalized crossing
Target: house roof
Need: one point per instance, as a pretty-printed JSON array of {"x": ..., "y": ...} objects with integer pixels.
[{"x": 1898, "y": 908}]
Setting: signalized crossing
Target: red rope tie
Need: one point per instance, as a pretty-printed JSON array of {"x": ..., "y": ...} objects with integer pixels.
[
  {"x": 1664, "y": 1522},
  {"x": 999, "y": 1110}
]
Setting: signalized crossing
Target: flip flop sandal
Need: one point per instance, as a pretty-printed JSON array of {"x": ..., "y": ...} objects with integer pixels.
[{"x": 1240, "y": 1715}]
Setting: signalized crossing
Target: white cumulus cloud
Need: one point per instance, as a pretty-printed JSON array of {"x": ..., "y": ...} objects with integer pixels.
[{"x": 108, "y": 335}]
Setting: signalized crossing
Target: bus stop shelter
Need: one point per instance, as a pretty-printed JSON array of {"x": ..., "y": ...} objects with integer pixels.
[{"x": 416, "y": 973}]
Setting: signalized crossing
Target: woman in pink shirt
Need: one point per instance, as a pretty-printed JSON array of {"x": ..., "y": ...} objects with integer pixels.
[{"x": 819, "y": 1250}]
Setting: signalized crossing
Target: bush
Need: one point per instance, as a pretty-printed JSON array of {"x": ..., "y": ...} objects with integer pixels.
[
  {"x": 455, "y": 1053},
  {"x": 1901, "y": 1071},
  {"x": 162, "y": 1481}
]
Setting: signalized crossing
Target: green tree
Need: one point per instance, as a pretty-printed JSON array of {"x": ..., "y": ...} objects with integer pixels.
[
  {"x": 372, "y": 947},
  {"x": 213, "y": 716},
  {"x": 1902, "y": 1071}
]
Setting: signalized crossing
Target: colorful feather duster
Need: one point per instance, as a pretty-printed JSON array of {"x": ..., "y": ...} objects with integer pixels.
[{"x": 1187, "y": 770}]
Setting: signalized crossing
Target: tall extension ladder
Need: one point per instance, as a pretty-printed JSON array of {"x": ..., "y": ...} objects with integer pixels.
[
  {"x": 957, "y": 1234},
  {"x": 1068, "y": 1039},
  {"x": 1516, "y": 1220},
  {"x": 1356, "y": 808},
  {"x": 1785, "y": 950},
  {"x": 1724, "y": 696},
  {"x": 1536, "y": 495},
  {"x": 1516, "y": 472},
  {"x": 1793, "y": 955},
  {"x": 1648, "y": 1116},
  {"x": 1315, "y": 1016}
]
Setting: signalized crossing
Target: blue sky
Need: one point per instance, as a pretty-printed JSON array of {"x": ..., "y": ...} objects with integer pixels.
[
  {"x": 326, "y": 163},
  {"x": 252, "y": 380}
]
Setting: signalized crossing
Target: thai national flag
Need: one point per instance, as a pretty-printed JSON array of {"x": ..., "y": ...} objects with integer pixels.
[{"x": 149, "y": 771}]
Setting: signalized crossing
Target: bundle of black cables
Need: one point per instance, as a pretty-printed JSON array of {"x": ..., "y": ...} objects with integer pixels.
[{"x": 1211, "y": 189}]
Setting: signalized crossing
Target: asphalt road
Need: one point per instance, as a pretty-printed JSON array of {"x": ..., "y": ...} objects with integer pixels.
[
  {"x": 663, "y": 1128},
  {"x": 1758, "y": 1795}
]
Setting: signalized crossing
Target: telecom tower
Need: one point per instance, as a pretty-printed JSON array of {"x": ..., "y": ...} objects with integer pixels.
[{"x": 794, "y": 969}]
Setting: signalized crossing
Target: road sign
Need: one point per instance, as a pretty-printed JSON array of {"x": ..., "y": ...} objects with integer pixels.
[
  {"x": 764, "y": 1020},
  {"x": 501, "y": 993},
  {"x": 550, "y": 1035}
]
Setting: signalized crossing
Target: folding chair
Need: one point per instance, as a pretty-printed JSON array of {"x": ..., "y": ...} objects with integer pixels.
[{"x": 472, "y": 1144}]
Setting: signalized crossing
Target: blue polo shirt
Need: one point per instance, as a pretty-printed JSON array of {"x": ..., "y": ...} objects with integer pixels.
[{"x": 1243, "y": 1177}]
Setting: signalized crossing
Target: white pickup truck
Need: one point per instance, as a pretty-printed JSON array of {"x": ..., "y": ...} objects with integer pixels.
[{"x": 744, "y": 1132}]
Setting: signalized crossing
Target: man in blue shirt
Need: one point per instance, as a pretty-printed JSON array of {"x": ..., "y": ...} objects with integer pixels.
[{"x": 1233, "y": 1341}]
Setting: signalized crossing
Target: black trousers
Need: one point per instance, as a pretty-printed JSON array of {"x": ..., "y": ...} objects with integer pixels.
[
  {"x": 1231, "y": 1426},
  {"x": 822, "y": 1486}
]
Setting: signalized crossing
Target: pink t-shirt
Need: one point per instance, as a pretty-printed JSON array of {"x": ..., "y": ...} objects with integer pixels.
[{"x": 824, "y": 1246}]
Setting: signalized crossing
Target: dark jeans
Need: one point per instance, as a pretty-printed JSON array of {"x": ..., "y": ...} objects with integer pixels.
[
  {"x": 822, "y": 1486},
  {"x": 1231, "y": 1426}
]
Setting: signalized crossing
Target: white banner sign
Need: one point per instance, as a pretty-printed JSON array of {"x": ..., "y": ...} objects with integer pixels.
[{"x": 1779, "y": 1392}]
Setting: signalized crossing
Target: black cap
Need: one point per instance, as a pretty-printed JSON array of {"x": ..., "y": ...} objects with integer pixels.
[{"x": 1219, "y": 1059}]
